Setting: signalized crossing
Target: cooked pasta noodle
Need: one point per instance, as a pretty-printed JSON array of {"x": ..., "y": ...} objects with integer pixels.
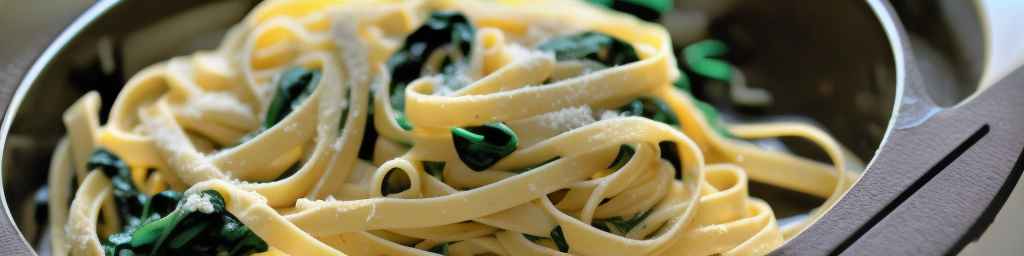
[{"x": 495, "y": 145}]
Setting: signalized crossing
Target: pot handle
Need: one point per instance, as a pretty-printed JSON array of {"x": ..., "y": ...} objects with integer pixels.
[
  {"x": 942, "y": 174},
  {"x": 935, "y": 184}
]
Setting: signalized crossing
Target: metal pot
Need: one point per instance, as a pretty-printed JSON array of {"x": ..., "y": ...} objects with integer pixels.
[{"x": 845, "y": 64}]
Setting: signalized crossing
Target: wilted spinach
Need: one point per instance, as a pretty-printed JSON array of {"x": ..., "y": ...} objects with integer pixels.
[
  {"x": 590, "y": 45},
  {"x": 182, "y": 231},
  {"x": 625, "y": 154},
  {"x": 532, "y": 237},
  {"x": 441, "y": 248},
  {"x": 559, "y": 238},
  {"x": 650, "y": 108},
  {"x": 149, "y": 222},
  {"x": 293, "y": 87},
  {"x": 702, "y": 58},
  {"x": 618, "y": 225},
  {"x": 443, "y": 29},
  {"x": 650, "y": 10},
  {"x": 434, "y": 168},
  {"x": 683, "y": 83},
  {"x": 711, "y": 115},
  {"x": 129, "y": 200},
  {"x": 482, "y": 146}
]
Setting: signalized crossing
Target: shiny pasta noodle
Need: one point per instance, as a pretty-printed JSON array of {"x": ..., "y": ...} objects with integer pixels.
[{"x": 302, "y": 186}]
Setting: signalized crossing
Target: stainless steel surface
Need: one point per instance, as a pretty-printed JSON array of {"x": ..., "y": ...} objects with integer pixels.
[
  {"x": 846, "y": 82},
  {"x": 948, "y": 46},
  {"x": 941, "y": 175},
  {"x": 828, "y": 60},
  {"x": 98, "y": 51},
  {"x": 30, "y": 28}
]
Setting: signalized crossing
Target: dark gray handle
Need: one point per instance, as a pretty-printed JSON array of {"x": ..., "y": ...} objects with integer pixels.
[{"x": 934, "y": 186}]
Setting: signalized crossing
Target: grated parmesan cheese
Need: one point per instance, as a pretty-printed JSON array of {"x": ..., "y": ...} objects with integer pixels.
[
  {"x": 198, "y": 202},
  {"x": 220, "y": 102},
  {"x": 442, "y": 90},
  {"x": 517, "y": 52},
  {"x": 567, "y": 118},
  {"x": 610, "y": 114},
  {"x": 346, "y": 35}
]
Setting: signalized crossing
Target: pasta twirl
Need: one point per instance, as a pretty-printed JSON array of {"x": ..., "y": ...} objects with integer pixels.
[{"x": 332, "y": 127}]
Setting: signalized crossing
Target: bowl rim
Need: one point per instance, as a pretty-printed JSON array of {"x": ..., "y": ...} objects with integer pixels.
[{"x": 41, "y": 64}]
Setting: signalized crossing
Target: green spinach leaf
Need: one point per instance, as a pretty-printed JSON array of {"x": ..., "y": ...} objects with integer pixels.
[
  {"x": 532, "y": 238},
  {"x": 403, "y": 121},
  {"x": 649, "y": 10},
  {"x": 150, "y": 222},
  {"x": 162, "y": 203},
  {"x": 625, "y": 154},
  {"x": 618, "y": 225},
  {"x": 441, "y": 248},
  {"x": 290, "y": 171},
  {"x": 480, "y": 147},
  {"x": 590, "y": 45},
  {"x": 443, "y": 29},
  {"x": 170, "y": 229},
  {"x": 683, "y": 83},
  {"x": 434, "y": 168},
  {"x": 701, "y": 58},
  {"x": 711, "y": 115},
  {"x": 293, "y": 87},
  {"x": 559, "y": 238},
  {"x": 650, "y": 108},
  {"x": 130, "y": 202}
]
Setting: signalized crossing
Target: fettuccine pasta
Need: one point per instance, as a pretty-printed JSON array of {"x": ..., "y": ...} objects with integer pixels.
[{"x": 332, "y": 127}]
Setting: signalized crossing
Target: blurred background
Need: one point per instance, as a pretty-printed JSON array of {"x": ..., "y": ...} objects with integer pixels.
[{"x": 945, "y": 35}]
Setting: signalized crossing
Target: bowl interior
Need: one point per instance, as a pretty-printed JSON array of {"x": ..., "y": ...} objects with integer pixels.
[
  {"x": 827, "y": 62},
  {"x": 101, "y": 56}
]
